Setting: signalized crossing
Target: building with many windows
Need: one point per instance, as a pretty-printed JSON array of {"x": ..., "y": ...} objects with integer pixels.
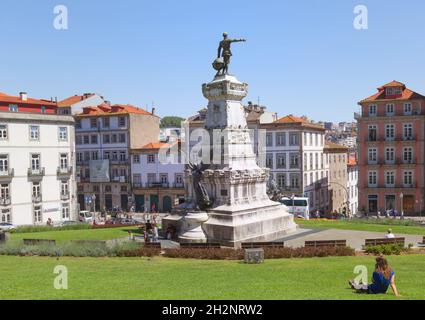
[
  {"x": 157, "y": 177},
  {"x": 37, "y": 162},
  {"x": 338, "y": 176},
  {"x": 105, "y": 134},
  {"x": 296, "y": 158},
  {"x": 391, "y": 129}
]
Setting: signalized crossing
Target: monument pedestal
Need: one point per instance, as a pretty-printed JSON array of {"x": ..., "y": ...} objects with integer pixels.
[
  {"x": 192, "y": 226},
  {"x": 241, "y": 209}
]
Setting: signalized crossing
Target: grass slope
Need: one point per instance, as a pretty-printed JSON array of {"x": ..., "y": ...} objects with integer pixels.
[{"x": 162, "y": 278}]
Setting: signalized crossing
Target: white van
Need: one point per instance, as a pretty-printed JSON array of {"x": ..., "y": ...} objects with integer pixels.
[
  {"x": 86, "y": 217},
  {"x": 298, "y": 206}
]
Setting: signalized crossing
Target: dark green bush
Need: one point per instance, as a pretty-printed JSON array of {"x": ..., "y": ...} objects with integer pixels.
[{"x": 386, "y": 249}]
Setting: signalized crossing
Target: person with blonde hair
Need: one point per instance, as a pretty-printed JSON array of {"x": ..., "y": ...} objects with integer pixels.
[{"x": 383, "y": 277}]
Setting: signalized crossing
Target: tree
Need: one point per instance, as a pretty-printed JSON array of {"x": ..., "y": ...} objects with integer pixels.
[{"x": 171, "y": 121}]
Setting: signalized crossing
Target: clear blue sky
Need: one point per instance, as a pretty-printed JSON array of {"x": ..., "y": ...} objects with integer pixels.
[{"x": 302, "y": 57}]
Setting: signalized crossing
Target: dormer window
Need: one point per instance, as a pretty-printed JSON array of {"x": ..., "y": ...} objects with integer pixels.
[
  {"x": 389, "y": 91},
  {"x": 397, "y": 91}
]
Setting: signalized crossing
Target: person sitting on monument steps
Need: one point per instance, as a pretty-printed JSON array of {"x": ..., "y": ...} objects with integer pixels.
[{"x": 383, "y": 277}]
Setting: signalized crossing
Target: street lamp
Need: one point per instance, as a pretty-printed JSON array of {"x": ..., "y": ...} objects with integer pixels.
[
  {"x": 402, "y": 206},
  {"x": 94, "y": 207}
]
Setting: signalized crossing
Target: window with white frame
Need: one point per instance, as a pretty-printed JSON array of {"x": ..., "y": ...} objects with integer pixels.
[
  {"x": 408, "y": 155},
  {"x": 373, "y": 132},
  {"x": 151, "y": 158},
  {"x": 281, "y": 160},
  {"x": 280, "y": 138},
  {"x": 3, "y": 132},
  {"x": 93, "y": 123},
  {"x": 269, "y": 139},
  {"x": 121, "y": 121},
  {"x": 294, "y": 160},
  {"x": 389, "y": 132},
  {"x": 63, "y": 133},
  {"x": 95, "y": 155},
  {"x": 4, "y": 163},
  {"x": 389, "y": 109},
  {"x": 137, "y": 179},
  {"x": 179, "y": 178},
  {"x": 6, "y": 216},
  {"x": 63, "y": 161},
  {"x": 4, "y": 191},
  {"x": 35, "y": 162},
  {"x": 64, "y": 188},
  {"x": 373, "y": 178},
  {"x": 372, "y": 155},
  {"x": 294, "y": 139},
  {"x": 372, "y": 110},
  {"x": 269, "y": 160},
  {"x": 78, "y": 140},
  {"x": 136, "y": 158},
  {"x": 389, "y": 178},
  {"x": 389, "y": 155},
  {"x": 105, "y": 122},
  {"x": 36, "y": 189},
  {"x": 65, "y": 211},
  {"x": 295, "y": 180},
  {"x": 34, "y": 132},
  {"x": 408, "y": 178},
  {"x": 408, "y": 131},
  {"x": 408, "y": 108},
  {"x": 281, "y": 180},
  {"x": 37, "y": 215}
]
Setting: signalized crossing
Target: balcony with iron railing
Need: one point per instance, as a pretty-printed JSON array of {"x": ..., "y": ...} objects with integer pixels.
[
  {"x": 37, "y": 198},
  {"x": 7, "y": 173},
  {"x": 36, "y": 172},
  {"x": 397, "y": 138},
  {"x": 157, "y": 184},
  {"x": 64, "y": 171},
  {"x": 5, "y": 201},
  {"x": 65, "y": 196},
  {"x": 413, "y": 185}
]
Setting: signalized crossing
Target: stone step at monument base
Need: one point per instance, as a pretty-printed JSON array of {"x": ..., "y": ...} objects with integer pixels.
[{"x": 268, "y": 223}]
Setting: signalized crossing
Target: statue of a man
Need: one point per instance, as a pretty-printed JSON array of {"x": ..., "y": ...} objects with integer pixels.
[{"x": 225, "y": 52}]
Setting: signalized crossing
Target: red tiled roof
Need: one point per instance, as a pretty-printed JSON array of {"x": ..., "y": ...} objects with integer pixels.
[
  {"x": 156, "y": 145},
  {"x": 13, "y": 99},
  {"x": 74, "y": 99},
  {"x": 291, "y": 119},
  {"x": 407, "y": 94},
  {"x": 116, "y": 109}
]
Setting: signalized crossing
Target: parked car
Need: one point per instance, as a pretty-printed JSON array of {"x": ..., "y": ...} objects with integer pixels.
[{"x": 4, "y": 226}]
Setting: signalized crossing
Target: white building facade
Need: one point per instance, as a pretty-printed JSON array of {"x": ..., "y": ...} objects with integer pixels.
[
  {"x": 352, "y": 185},
  {"x": 157, "y": 178},
  {"x": 37, "y": 165},
  {"x": 295, "y": 157}
]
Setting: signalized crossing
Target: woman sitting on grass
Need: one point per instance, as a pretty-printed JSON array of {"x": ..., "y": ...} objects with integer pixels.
[{"x": 383, "y": 277}]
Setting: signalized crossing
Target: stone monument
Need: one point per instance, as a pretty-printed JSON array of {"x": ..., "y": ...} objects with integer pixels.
[{"x": 229, "y": 196}]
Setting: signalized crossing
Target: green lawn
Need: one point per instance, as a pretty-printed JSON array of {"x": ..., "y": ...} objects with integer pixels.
[
  {"x": 85, "y": 234},
  {"x": 360, "y": 226},
  {"x": 162, "y": 278}
]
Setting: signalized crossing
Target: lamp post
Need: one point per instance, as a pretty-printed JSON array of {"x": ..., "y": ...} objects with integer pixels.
[
  {"x": 402, "y": 206},
  {"x": 94, "y": 207}
]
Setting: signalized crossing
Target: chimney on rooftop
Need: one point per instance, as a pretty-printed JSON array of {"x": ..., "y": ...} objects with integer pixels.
[
  {"x": 23, "y": 96},
  {"x": 153, "y": 110}
]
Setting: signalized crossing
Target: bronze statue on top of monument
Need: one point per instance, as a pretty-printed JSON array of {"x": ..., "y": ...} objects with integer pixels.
[{"x": 221, "y": 64}]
